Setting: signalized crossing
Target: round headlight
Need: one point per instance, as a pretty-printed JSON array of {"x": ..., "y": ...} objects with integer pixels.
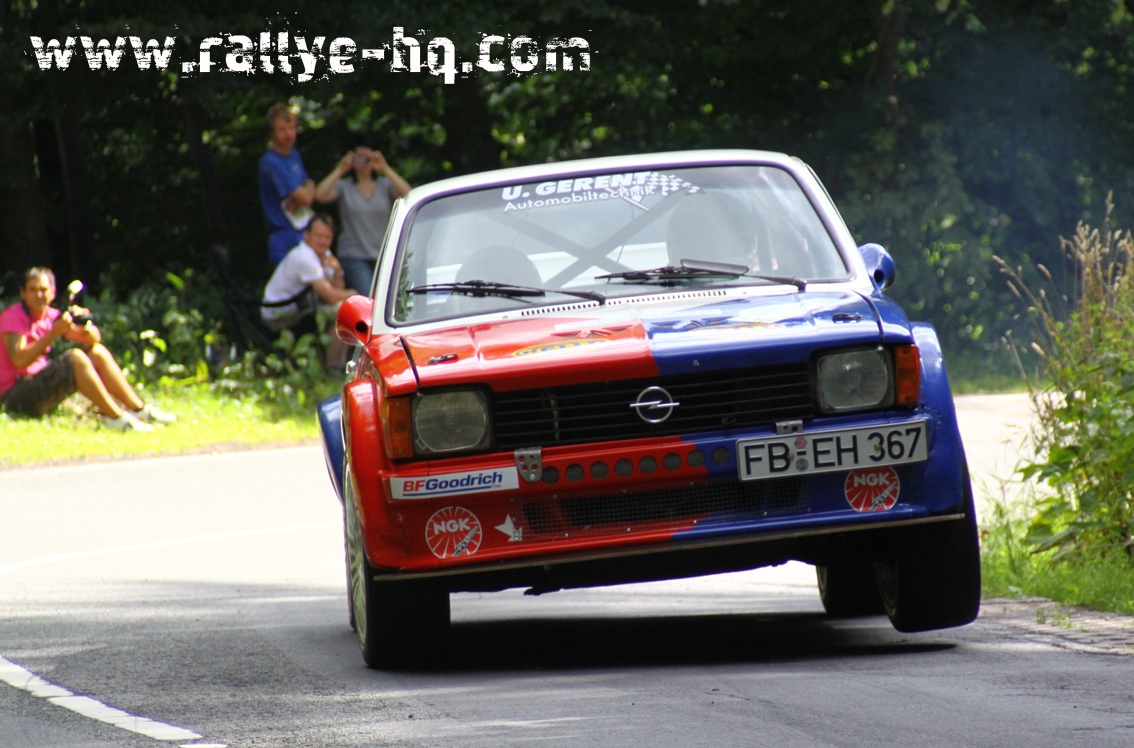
[
  {"x": 854, "y": 380},
  {"x": 450, "y": 422}
]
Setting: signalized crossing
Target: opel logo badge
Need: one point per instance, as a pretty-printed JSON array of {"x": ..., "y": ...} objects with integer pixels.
[{"x": 654, "y": 405}]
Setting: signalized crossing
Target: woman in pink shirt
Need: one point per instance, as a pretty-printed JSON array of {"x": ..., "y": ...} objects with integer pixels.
[{"x": 32, "y": 385}]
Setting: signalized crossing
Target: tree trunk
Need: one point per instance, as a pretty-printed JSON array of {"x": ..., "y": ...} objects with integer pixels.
[
  {"x": 23, "y": 222},
  {"x": 210, "y": 187},
  {"x": 468, "y": 141},
  {"x": 76, "y": 184}
]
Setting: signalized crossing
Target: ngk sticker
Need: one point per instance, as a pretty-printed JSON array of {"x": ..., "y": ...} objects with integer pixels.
[
  {"x": 453, "y": 531},
  {"x": 872, "y": 489}
]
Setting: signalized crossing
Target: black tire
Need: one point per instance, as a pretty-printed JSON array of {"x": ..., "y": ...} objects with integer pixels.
[
  {"x": 931, "y": 578},
  {"x": 849, "y": 589},
  {"x": 400, "y": 624},
  {"x": 346, "y": 554}
]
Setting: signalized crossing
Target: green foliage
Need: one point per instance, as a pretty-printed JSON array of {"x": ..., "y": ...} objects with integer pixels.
[
  {"x": 945, "y": 131},
  {"x": 1010, "y": 566},
  {"x": 166, "y": 336},
  {"x": 911, "y": 198},
  {"x": 1007, "y": 558},
  {"x": 1085, "y": 436},
  {"x": 159, "y": 333},
  {"x": 292, "y": 377}
]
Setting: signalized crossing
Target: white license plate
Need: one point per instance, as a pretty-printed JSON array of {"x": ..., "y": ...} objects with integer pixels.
[{"x": 831, "y": 451}]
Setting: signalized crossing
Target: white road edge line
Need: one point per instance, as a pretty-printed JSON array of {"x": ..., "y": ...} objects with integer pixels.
[
  {"x": 16, "y": 676},
  {"x": 162, "y": 544}
]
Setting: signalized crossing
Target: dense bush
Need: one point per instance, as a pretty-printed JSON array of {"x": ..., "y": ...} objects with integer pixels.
[
  {"x": 1085, "y": 432},
  {"x": 168, "y": 334},
  {"x": 946, "y": 130}
]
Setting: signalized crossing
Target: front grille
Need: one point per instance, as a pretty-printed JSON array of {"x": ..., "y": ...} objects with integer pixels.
[
  {"x": 601, "y": 411},
  {"x": 659, "y": 509}
]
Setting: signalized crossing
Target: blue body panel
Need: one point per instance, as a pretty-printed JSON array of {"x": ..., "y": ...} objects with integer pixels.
[
  {"x": 894, "y": 323},
  {"x": 761, "y": 330},
  {"x": 936, "y": 486},
  {"x": 330, "y": 413}
]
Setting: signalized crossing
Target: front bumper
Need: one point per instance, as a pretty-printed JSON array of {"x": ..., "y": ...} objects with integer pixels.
[{"x": 600, "y": 503}]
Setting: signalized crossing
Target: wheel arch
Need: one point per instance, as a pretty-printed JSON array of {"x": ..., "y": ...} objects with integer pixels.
[
  {"x": 946, "y": 471},
  {"x": 382, "y": 535}
]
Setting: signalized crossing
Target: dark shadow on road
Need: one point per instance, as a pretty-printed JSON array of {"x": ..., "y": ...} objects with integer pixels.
[
  {"x": 572, "y": 643},
  {"x": 229, "y": 636}
]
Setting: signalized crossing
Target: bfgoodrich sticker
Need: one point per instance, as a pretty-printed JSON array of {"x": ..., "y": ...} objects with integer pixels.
[{"x": 454, "y": 484}]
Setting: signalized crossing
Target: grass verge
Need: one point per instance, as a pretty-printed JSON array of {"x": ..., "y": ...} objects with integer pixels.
[
  {"x": 985, "y": 384},
  {"x": 1010, "y": 568},
  {"x": 206, "y": 421}
]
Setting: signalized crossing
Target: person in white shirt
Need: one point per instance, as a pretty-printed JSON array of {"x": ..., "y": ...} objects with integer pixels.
[{"x": 309, "y": 264}]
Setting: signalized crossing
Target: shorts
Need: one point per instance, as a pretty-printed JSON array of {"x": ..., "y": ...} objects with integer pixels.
[
  {"x": 299, "y": 318},
  {"x": 287, "y": 318},
  {"x": 38, "y": 394}
]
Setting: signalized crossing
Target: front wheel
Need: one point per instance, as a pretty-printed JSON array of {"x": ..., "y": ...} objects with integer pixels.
[
  {"x": 400, "y": 624},
  {"x": 931, "y": 578},
  {"x": 848, "y": 589}
]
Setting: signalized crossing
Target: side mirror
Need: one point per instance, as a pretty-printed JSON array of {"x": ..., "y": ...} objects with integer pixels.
[
  {"x": 352, "y": 325},
  {"x": 879, "y": 265}
]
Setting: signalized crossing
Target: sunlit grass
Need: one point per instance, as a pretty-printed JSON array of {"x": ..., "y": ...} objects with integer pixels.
[
  {"x": 207, "y": 421},
  {"x": 1010, "y": 568},
  {"x": 985, "y": 384}
]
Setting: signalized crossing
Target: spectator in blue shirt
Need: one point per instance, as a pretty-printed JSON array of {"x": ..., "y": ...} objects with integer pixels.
[{"x": 286, "y": 192}]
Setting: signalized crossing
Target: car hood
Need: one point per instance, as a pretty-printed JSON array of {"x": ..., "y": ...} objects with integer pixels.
[{"x": 643, "y": 337}]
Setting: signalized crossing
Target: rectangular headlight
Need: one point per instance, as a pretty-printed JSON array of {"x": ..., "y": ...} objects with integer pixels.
[
  {"x": 445, "y": 422},
  {"x": 855, "y": 380}
]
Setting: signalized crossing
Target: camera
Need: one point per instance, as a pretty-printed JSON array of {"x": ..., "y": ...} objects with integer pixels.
[{"x": 74, "y": 288}]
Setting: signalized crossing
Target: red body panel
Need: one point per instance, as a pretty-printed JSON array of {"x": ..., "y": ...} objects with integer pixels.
[
  {"x": 497, "y": 509},
  {"x": 363, "y": 434},
  {"x": 552, "y": 351},
  {"x": 507, "y": 356},
  {"x": 395, "y": 371}
]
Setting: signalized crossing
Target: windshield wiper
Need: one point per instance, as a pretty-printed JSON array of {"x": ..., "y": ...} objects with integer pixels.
[
  {"x": 480, "y": 289},
  {"x": 668, "y": 275}
]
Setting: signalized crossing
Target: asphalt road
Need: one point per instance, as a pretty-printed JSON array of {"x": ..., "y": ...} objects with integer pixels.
[{"x": 200, "y": 601}]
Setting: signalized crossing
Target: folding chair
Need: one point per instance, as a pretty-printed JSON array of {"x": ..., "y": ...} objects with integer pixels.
[{"x": 243, "y": 312}]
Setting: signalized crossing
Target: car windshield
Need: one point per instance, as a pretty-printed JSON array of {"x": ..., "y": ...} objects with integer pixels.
[{"x": 613, "y": 234}]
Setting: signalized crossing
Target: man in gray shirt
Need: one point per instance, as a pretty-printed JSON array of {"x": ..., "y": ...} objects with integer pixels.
[{"x": 364, "y": 207}]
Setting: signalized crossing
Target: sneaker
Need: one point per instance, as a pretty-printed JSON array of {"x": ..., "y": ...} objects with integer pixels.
[
  {"x": 150, "y": 413},
  {"x": 126, "y": 422}
]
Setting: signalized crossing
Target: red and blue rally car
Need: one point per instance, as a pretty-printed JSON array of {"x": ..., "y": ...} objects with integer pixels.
[{"x": 640, "y": 368}]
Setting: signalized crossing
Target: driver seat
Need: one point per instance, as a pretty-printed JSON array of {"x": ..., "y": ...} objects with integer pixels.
[
  {"x": 710, "y": 226},
  {"x": 492, "y": 264},
  {"x": 500, "y": 264}
]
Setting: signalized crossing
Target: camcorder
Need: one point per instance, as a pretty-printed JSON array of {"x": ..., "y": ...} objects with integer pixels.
[{"x": 74, "y": 288}]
